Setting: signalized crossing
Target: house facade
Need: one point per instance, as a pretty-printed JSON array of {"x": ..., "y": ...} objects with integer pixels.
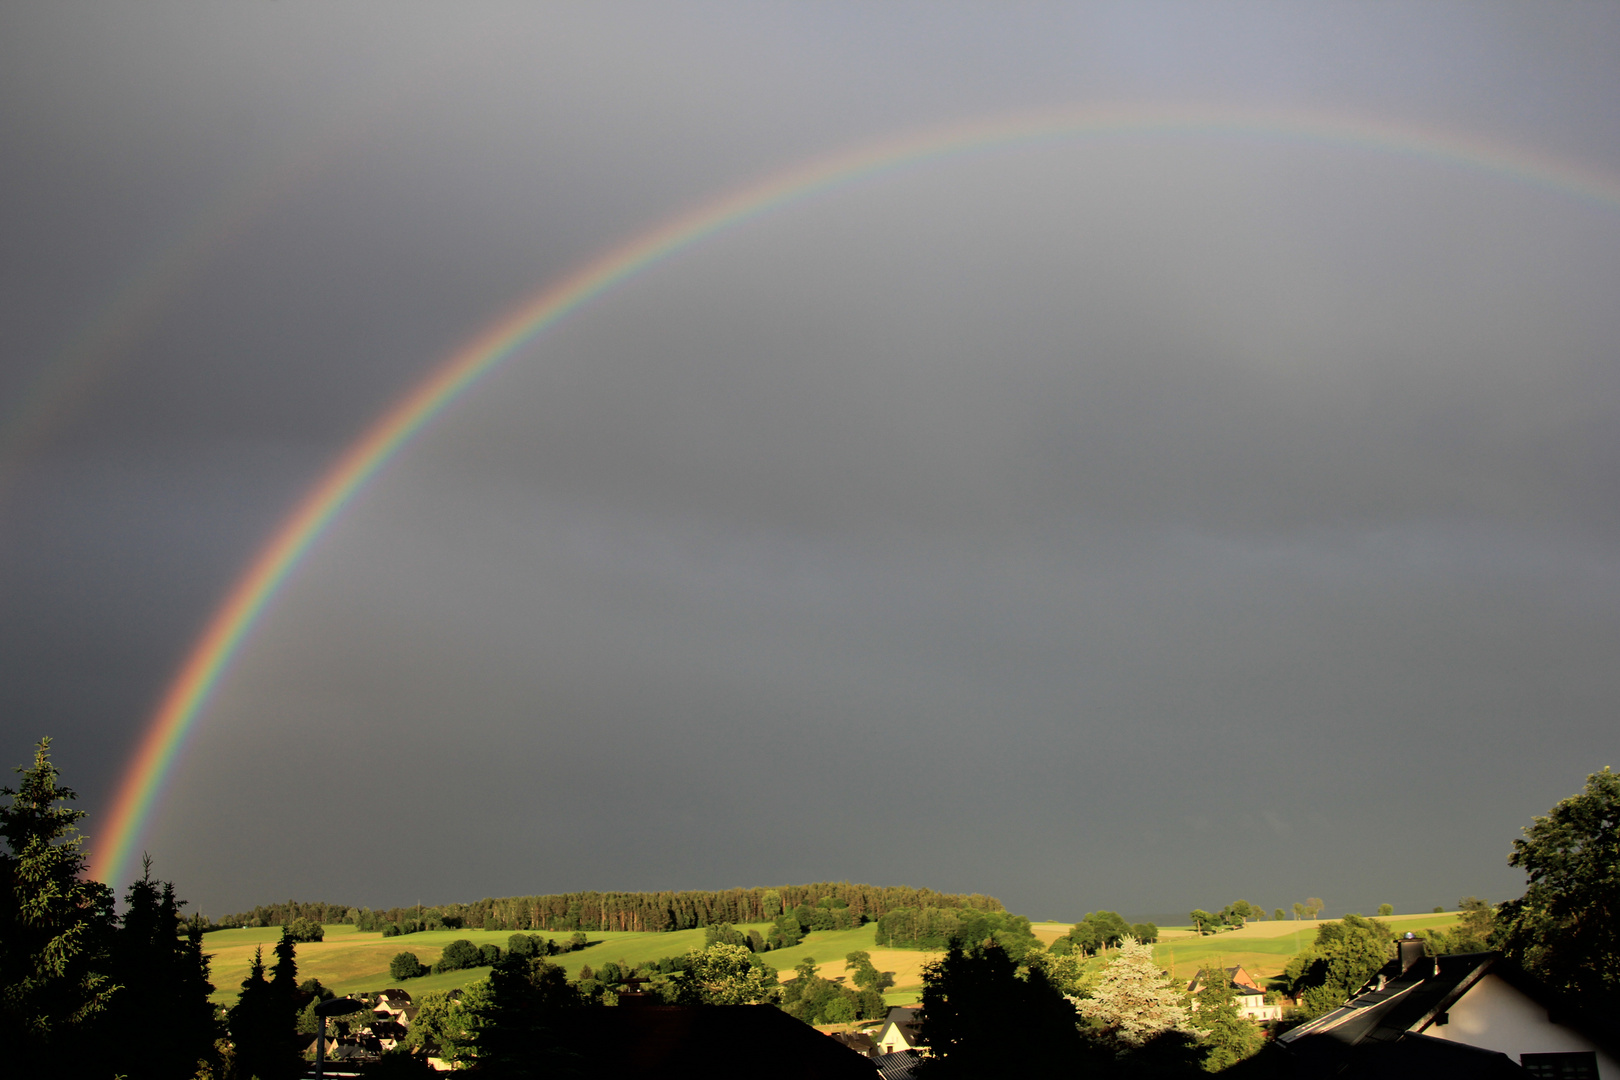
[
  {"x": 900, "y": 1030},
  {"x": 1251, "y": 996},
  {"x": 1469, "y": 1015}
]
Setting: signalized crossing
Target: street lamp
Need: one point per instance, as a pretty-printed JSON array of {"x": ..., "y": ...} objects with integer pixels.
[{"x": 336, "y": 1007}]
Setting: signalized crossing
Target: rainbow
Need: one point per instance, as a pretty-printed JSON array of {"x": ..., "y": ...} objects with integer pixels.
[{"x": 189, "y": 691}]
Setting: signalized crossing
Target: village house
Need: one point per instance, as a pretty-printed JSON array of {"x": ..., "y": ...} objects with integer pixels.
[
  {"x": 900, "y": 1030},
  {"x": 1251, "y": 996},
  {"x": 1469, "y": 1015}
]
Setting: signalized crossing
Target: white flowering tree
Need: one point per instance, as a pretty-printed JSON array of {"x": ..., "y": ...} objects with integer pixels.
[
  {"x": 727, "y": 975},
  {"x": 1134, "y": 1000}
]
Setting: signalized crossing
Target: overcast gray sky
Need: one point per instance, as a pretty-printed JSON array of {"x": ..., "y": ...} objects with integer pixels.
[{"x": 1133, "y": 522}]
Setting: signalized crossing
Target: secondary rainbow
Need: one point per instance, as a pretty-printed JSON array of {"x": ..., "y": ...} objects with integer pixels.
[{"x": 226, "y": 630}]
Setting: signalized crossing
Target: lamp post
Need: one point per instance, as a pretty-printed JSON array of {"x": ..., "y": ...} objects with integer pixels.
[{"x": 335, "y": 1007}]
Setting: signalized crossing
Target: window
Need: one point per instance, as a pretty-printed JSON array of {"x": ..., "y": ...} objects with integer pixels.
[{"x": 1579, "y": 1065}]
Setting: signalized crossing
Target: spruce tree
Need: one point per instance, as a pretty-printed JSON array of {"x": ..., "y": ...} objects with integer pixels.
[
  {"x": 54, "y": 924},
  {"x": 262, "y": 1029},
  {"x": 1134, "y": 1001},
  {"x": 161, "y": 1023}
]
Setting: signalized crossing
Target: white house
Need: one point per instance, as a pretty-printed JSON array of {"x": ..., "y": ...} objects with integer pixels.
[
  {"x": 1251, "y": 996},
  {"x": 899, "y": 1030},
  {"x": 1469, "y": 1015}
]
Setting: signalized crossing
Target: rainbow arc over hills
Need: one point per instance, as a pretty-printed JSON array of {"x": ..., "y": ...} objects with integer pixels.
[{"x": 209, "y": 658}]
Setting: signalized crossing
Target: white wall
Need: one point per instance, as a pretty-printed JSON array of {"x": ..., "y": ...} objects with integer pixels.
[{"x": 1494, "y": 1015}]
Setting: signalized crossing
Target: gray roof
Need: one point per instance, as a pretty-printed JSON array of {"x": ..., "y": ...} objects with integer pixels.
[
  {"x": 1380, "y": 1031},
  {"x": 900, "y": 1065}
]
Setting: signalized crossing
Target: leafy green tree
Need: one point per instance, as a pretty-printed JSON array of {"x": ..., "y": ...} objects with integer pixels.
[
  {"x": 982, "y": 1017},
  {"x": 1565, "y": 929},
  {"x": 445, "y": 1025},
  {"x": 1314, "y": 906},
  {"x": 306, "y": 930},
  {"x": 1145, "y": 931},
  {"x": 54, "y": 923},
  {"x": 866, "y": 975},
  {"x": 1299, "y": 910},
  {"x": 459, "y": 954},
  {"x": 1204, "y": 922},
  {"x": 726, "y": 975},
  {"x": 1385, "y": 910},
  {"x": 1111, "y": 928},
  {"x": 1082, "y": 939},
  {"x": 1229, "y": 1037},
  {"x": 405, "y": 965},
  {"x": 723, "y": 934},
  {"x": 1066, "y": 971},
  {"x": 1343, "y": 957},
  {"x": 1279, "y": 914}
]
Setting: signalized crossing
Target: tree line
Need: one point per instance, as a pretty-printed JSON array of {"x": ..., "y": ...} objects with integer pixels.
[{"x": 644, "y": 911}]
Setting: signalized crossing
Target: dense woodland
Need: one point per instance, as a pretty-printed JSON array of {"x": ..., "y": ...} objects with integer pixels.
[{"x": 654, "y": 911}]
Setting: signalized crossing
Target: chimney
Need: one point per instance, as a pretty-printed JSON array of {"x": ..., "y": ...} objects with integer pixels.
[{"x": 1409, "y": 950}]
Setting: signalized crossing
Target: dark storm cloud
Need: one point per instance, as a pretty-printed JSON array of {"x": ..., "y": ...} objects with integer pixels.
[{"x": 1118, "y": 521}]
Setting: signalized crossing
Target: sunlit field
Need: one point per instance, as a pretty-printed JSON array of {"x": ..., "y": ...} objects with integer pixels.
[
  {"x": 348, "y": 961},
  {"x": 1263, "y": 947},
  {"x": 351, "y": 962}
]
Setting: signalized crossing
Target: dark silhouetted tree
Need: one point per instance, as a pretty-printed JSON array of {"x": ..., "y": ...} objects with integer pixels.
[
  {"x": 160, "y": 1023},
  {"x": 982, "y": 1017},
  {"x": 261, "y": 1031},
  {"x": 520, "y": 1031},
  {"x": 54, "y": 925}
]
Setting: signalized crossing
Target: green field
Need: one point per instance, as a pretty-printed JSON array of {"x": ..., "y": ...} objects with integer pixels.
[
  {"x": 349, "y": 961},
  {"x": 1264, "y": 948},
  {"x": 352, "y": 962}
]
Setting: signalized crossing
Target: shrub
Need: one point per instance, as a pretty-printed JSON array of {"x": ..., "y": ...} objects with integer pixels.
[
  {"x": 405, "y": 965},
  {"x": 459, "y": 954}
]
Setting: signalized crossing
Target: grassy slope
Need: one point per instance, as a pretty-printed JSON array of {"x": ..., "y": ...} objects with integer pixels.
[
  {"x": 349, "y": 961},
  {"x": 1264, "y": 948}
]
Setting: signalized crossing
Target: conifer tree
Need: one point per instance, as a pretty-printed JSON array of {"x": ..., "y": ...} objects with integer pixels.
[
  {"x": 261, "y": 1030},
  {"x": 161, "y": 1023},
  {"x": 1133, "y": 1000},
  {"x": 54, "y": 923}
]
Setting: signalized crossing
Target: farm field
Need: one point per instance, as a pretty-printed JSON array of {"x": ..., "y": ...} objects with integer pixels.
[
  {"x": 1264, "y": 948},
  {"x": 349, "y": 961}
]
